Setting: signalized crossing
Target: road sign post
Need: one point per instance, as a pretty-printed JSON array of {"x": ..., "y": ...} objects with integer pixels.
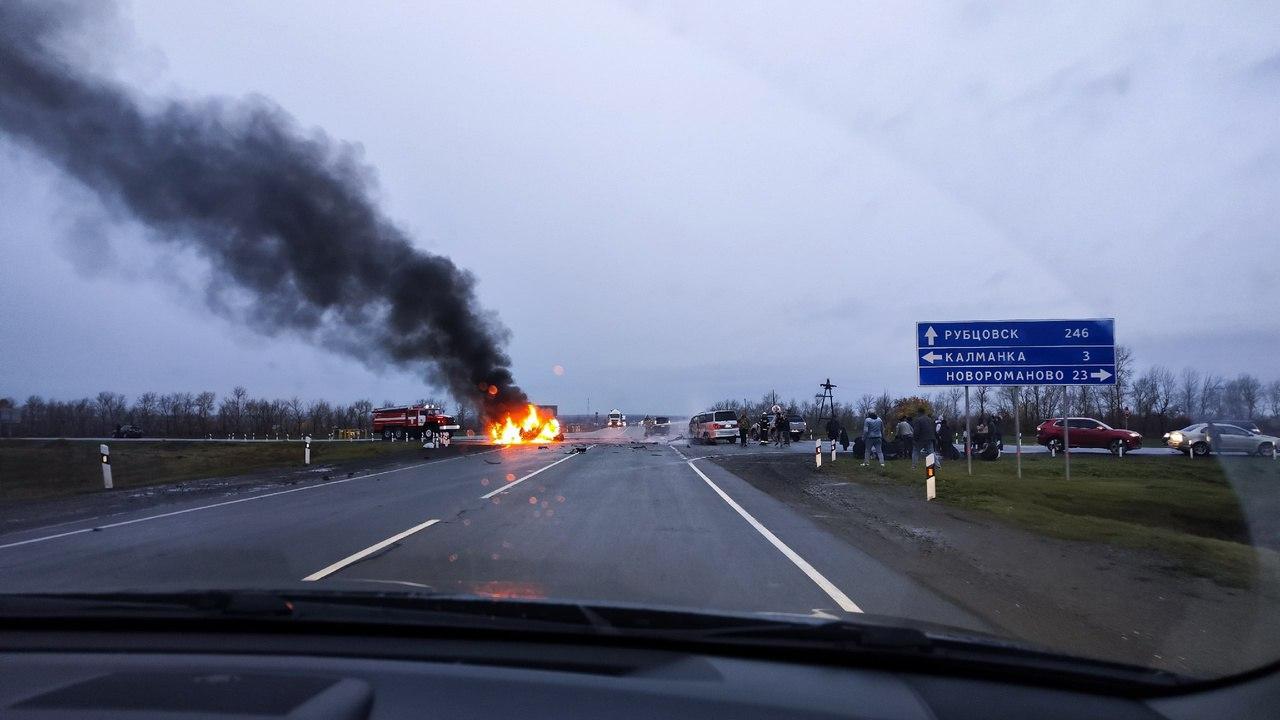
[
  {"x": 306, "y": 454},
  {"x": 817, "y": 453},
  {"x": 1017, "y": 425},
  {"x": 968, "y": 432},
  {"x": 1066, "y": 430}
]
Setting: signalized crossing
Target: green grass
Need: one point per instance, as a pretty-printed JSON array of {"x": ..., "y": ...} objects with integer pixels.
[
  {"x": 1187, "y": 510},
  {"x": 31, "y": 470}
]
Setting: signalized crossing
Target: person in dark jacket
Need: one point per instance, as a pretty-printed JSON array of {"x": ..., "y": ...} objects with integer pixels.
[
  {"x": 744, "y": 428},
  {"x": 995, "y": 426},
  {"x": 923, "y": 435},
  {"x": 833, "y": 429},
  {"x": 844, "y": 438},
  {"x": 946, "y": 438}
]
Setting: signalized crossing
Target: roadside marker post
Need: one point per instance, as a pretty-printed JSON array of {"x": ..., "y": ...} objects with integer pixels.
[
  {"x": 1122, "y": 450},
  {"x": 930, "y": 481},
  {"x": 833, "y": 451},
  {"x": 104, "y": 455},
  {"x": 306, "y": 456},
  {"x": 817, "y": 453}
]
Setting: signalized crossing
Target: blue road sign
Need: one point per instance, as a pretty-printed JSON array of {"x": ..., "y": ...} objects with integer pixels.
[{"x": 1017, "y": 352}]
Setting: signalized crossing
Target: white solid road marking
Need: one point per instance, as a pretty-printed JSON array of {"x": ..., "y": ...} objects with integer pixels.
[
  {"x": 228, "y": 502},
  {"x": 319, "y": 574},
  {"x": 822, "y": 582},
  {"x": 514, "y": 483}
]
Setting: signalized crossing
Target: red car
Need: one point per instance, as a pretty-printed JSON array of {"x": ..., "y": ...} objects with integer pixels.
[{"x": 1087, "y": 433}]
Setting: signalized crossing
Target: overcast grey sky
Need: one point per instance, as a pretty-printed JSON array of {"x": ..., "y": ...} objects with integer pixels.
[{"x": 678, "y": 202}]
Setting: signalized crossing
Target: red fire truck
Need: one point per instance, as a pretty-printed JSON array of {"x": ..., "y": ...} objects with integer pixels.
[{"x": 412, "y": 421}]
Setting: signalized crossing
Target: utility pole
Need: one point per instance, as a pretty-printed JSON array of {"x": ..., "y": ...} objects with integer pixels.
[{"x": 826, "y": 402}]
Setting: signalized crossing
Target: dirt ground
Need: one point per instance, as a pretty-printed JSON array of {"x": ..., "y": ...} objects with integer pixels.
[{"x": 1084, "y": 598}]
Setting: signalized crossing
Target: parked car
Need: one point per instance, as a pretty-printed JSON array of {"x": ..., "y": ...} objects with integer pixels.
[
  {"x": 798, "y": 427},
  {"x": 661, "y": 425},
  {"x": 1086, "y": 433},
  {"x": 714, "y": 425},
  {"x": 127, "y": 431},
  {"x": 1249, "y": 425},
  {"x": 1194, "y": 439}
]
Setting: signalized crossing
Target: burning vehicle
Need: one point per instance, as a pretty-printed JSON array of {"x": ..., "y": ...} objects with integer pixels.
[{"x": 535, "y": 425}]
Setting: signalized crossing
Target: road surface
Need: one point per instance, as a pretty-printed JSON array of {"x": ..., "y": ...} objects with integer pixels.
[{"x": 623, "y": 522}]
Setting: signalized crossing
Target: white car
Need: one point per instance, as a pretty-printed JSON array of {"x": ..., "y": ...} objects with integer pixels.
[
  {"x": 1194, "y": 439},
  {"x": 714, "y": 425}
]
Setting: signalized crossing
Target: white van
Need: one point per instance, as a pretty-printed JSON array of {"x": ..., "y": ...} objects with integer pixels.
[{"x": 714, "y": 425}]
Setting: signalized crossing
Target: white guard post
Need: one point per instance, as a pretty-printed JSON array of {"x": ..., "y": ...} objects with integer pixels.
[
  {"x": 306, "y": 454},
  {"x": 833, "y": 451},
  {"x": 817, "y": 453},
  {"x": 428, "y": 440},
  {"x": 930, "y": 482},
  {"x": 104, "y": 454}
]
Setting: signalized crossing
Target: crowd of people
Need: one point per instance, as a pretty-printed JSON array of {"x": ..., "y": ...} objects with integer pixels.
[{"x": 912, "y": 437}]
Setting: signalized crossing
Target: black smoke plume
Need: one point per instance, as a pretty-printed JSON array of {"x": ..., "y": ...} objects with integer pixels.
[{"x": 283, "y": 216}]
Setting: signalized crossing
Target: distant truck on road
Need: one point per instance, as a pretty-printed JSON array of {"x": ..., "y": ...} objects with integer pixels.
[
  {"x": 403, "y": 422},
  {"x": 617, "y": 419}
]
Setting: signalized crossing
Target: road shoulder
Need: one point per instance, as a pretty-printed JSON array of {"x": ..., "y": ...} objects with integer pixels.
[{"x": 1086, "y": 598}]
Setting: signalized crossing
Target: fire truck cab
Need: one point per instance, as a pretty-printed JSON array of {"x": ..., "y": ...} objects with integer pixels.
[
  {"x": 617, "y": 419},
  {"x": 417, "y": 422}
]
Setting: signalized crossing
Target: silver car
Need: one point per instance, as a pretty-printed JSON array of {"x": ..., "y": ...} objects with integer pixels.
[{"x": 1194, "y": 439}]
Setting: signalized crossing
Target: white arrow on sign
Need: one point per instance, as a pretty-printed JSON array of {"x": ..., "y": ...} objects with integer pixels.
[
  {"x": 930, "y": 356},
  {"x": 930, "y": 335},
  {"x": 1100, "y": 375}
]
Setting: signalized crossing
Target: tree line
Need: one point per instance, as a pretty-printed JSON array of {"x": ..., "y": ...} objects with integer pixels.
[
  {"x": 193, "y": 415},
  {"x": 1152, "y": 401}
]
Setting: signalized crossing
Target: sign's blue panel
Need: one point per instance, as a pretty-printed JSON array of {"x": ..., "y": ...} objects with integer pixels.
[
  {"x": 1015, "y": 333},
  {"x": 1024, "y": 356},
  {"x": 1017, "y": 352}
]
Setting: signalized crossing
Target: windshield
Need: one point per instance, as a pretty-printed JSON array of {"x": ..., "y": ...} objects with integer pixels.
[{"x": 351, "y": 301}]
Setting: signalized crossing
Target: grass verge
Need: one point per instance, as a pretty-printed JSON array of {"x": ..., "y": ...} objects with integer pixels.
[
  {"x": 34, "y": 470},
  {"x": 1188, "y": 511}
]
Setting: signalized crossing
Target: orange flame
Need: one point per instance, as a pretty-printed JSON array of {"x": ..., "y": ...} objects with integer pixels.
[{"x": 531, "y": 429}]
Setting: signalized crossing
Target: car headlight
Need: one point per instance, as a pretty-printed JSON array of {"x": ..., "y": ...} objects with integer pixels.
[
  {"x": 1175, "y": 437},
  {"x": 1134, "y": 435}
]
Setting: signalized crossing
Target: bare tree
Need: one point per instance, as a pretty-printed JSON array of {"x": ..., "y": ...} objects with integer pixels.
[
  {"x": 204, "y": 403},
  {"x": 866, "y": 403},
  {"x": 1273, "y": 398},
  {"x": 982, "y": 394},
  {"x": 1211, "y": 396},
  {"x": 1249, "y": 389},
  {"x": 1189, "y": 392}
]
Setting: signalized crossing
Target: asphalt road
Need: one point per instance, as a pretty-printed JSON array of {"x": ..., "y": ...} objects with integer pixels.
[{"x": 623, "y": 522}]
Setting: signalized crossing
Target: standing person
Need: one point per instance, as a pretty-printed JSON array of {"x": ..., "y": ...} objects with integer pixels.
[
  {"x": 996, "y": 427},
  {"x": 872, "y": 438},
  {"x": 946, "y": 438},
  {"x": 833, "y": 429},
  {"x": 903, "y": 434},
  {"x": 922, "y": 431},
  {"x": 784, "y": 427},
  {"x": 844, "y": 438},
  {"x": 744, "y": 428},
  {"x": 1214, "y": 436}
]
